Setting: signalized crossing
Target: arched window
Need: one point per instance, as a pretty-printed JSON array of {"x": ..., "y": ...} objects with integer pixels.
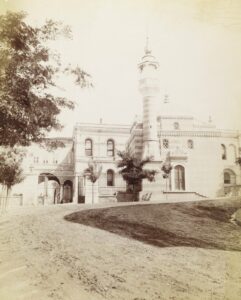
[
  {"x": 88, "y": 147},
  {"x": 229, "y": 177},
  {"x": 176, "y": 125},
  {"x": 110, "y": 148},
  {"x": 190, "y": 144},
  {"x": 110, "y": 178},
  {"x": 165, "y": 143},
  {"x": 179, "y": 178},
  {"x": 224, "y": 153}
]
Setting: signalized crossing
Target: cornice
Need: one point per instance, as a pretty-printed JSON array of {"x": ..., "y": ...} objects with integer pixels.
[
  {"x": 198, "y": 133},
  {"x": 102, "y": 128},
  {"x": 174, "y": 117}
]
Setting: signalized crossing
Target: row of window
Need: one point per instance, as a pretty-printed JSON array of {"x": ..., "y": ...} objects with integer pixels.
[
  {"x": 110, "y": 147},
  {"x": 165, "y": 144},
  {"x": 45, "y": 161},
  {"x": 179, "y": 173}
]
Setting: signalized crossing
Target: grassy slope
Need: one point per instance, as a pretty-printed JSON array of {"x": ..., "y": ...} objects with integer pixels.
[{"x": 196, "y": 224}]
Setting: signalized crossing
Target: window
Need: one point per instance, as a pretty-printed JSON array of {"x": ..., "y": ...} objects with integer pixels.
[
  {"x": 45, "y": 161},
  {"x": 88, "y": 147},
  {"x": 165, "y": 143},
  {"x": 110, "y": 148},
  {"x": 227, "y": 178},
  {"x": 110, "y": 178},
  {"x": 224, "y": 153},
  {"x": 190, "y": 144},
  {"x": 176, "y": 125},
  {"x": 36, "y": 160},
  {"x": 179, "y": 178}
]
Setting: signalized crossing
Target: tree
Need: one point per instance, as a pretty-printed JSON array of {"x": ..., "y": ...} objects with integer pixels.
[
  {"x": 10, "y": 171},
  {"x": 132, "y": 171},
  {"x": 93, "y": 173},
  {"x": 166, "y": 169},
  {"x": 29, "y": 94}
]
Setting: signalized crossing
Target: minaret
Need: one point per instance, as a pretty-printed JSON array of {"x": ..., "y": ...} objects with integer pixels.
[{"x": 149, "y": 89}]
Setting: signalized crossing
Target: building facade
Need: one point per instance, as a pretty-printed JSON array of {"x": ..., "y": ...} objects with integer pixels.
[{"x": 203, "y": 158}]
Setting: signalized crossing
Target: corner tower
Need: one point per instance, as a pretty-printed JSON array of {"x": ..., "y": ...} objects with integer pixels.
[{"x": 149, "y": 89}]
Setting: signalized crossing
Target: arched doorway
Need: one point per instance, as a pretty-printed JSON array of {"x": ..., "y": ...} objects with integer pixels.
[
  {"x": 67, "y": 191},
  {"x": 179, "y": 173},
  {"x": 48, "y": 189},
  {"x": 229, "y": 181},
  {"x": 229, "y": 177},
  {"x": 110, "y": 178}
]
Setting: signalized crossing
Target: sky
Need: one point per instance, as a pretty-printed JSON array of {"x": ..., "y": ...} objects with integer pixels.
[{"x": 197, "y": 43}]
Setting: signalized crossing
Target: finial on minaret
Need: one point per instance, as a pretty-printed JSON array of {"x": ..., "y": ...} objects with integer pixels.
[{"x": 147, "y": 50}]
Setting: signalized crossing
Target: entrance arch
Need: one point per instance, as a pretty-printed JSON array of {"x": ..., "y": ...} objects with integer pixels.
[
  {"x": 48, "y": 189},
  {"x": 229, "y": 177},
  {"x": 179, "y": 173},
  {"x": 67, "y": 191},
  {"x": 229, "y": 181}
]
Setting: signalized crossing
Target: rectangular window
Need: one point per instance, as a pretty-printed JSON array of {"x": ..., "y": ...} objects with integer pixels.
[{"x": 165, "y": 143}]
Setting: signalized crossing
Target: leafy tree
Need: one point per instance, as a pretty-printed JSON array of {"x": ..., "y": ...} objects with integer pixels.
[
  {"x": 10, "y": 171},
  {"x": 93, "y": 173},
  {"x": 132, "y": 171},
  {"x": 29, "y": 101},
  {"x": 166, "y": 169}
]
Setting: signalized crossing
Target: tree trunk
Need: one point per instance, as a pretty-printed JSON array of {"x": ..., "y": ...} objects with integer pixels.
[
  {"x": 166, "y": 188},
  {"x": 7, "y": 194},
  {"x": 2, "y": 199}
]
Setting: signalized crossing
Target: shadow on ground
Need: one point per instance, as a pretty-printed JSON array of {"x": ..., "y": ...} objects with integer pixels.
[{"x": 193, "y": 224}]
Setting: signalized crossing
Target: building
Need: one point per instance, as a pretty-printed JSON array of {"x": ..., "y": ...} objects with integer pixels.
[{"x": 203, "y": 157}]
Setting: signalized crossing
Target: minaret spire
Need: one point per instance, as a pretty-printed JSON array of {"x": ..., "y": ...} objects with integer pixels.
[
  {"x": 147, "y": 50},
  {"x": 149, "y": 89}
]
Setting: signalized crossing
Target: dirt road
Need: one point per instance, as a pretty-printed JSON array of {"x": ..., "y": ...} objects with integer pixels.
[{"x": 43, "y": 256}]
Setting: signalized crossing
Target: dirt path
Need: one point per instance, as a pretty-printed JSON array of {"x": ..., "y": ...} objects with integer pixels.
[{"x": 42, "y": 256}]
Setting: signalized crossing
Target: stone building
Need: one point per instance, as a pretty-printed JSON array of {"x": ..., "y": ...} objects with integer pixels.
[{"x": 203, "y": 158}]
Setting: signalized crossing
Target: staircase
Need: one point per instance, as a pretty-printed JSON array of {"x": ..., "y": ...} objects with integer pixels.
[{"x": 173, "y": 196}]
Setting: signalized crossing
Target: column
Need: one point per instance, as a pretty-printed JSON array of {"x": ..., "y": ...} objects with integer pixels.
[
  {"x": 61, "y": 193},
  {"x": 76, "y": 190},
  {"x": 45, "y": 188}
]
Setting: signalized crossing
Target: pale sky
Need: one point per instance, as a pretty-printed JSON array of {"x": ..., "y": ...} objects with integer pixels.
[{"x": 197, "y": 43}]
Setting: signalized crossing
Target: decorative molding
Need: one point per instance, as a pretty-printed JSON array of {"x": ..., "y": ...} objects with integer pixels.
[
  {"x": 102, "y": 128},
  {"x": 167, "y": 117},
  {"x": 166, "y": 133}
]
